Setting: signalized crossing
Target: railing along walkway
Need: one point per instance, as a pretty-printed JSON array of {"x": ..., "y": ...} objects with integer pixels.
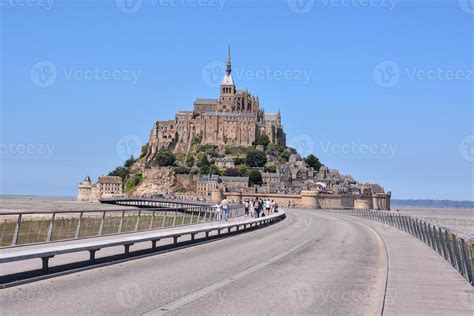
[{"x": 453, "y": 246}]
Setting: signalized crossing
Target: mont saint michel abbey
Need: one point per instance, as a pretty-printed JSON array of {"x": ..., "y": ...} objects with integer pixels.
[{"x": 235, "y": 118}]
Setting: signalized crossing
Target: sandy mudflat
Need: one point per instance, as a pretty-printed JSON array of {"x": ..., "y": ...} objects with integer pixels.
[
  {"x": 15, "y": 203},
  {"x": 460, "y": 219}
]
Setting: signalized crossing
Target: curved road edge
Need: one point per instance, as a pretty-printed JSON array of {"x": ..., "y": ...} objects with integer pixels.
[{"x": 419, "y": 281}]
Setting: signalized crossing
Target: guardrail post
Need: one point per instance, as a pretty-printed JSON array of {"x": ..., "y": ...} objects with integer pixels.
[
  {"x": 121, "y": 222},
  {"x": 151, "y": 221},
  {"x": 17, "y": 230},
  {"x": 164, "y": 220},
  {"x": 467, "y": 261},
  {"x": 92, "y": 255},
  {"x": 174, "y": 219},
  {"x": 127, "y": 249},
  {"x": 450, "y": 249},
  {"x": 184, "y": 217},
  {"x": 459, "y": 264},
  {"x": 78, "y": 228},
  {"x": 153, "y": 243},
  {"x": 138, "y": 220},
  {"x": 192, "y": 216},
  {"x": 45, "y": 263},
  {"x": 101, "y": 227},
  {"x": 51, "y": 226}
]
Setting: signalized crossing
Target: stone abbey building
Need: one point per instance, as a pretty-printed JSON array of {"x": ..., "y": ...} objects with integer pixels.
[{"x": 235, "y": 119}]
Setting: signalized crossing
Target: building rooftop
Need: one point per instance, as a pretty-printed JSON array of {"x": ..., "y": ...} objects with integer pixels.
[
  {"x": 235, "y": 179},
  {"x": 206, "y": 101},
  {"x": 110, "y": 180},
  {"x": 223, "y": 159}
]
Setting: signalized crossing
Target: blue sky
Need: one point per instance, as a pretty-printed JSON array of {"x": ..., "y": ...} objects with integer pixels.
[{"x": 380, "y": 90}]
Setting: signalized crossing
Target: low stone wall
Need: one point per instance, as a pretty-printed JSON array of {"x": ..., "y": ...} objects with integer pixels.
[{"x": 314, "y": 199}]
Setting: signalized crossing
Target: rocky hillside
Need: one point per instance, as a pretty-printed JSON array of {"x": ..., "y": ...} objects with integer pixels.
[{"x": 158, "y": 180}]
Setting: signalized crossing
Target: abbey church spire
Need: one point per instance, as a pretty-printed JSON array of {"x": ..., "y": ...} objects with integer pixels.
[
  {"x": 229, "y": 67},
  {"x": 228, "y": 81}
]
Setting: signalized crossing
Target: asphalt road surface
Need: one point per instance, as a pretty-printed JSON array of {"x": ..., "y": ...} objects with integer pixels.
[{"x": 310, "y": 263}]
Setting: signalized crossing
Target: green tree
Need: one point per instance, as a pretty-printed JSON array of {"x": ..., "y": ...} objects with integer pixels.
[
  {"x": 129, "y": 162},
  {"x": 181, "y": 170},
  {"x": 255, "y": 178},
  {"x": 203, "y": 160},
  {"x": 239, "y": 160},
  {"x": 313, "y": 161},
  {"x": 271, "y": 168},
  {"x": 190, "y": 161},
  {"x": 262, "y": 139},
  {"x": 233, "y": 172},
  {"x": 165, "y": 158},
  {"x": 214, "y": 170},
  {"x": 144, "y": 150},
  {"x": 204, "y": 169},
  {"x": 255, "y": 158},
  {"x": 133, "y": 182},
  {"x": 120, "y": 172}
]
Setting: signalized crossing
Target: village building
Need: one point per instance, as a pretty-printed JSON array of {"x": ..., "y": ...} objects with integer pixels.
[{"x": 105, "y": 187}]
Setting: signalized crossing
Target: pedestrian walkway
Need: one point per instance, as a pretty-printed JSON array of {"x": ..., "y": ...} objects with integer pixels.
[{"x": 420, "y": 282}]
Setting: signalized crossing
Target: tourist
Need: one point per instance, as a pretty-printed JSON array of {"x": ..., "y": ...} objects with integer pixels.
[
  {"x": 218, "y": 212},
  {"x": 268, "y": 206},
  {"x": 246, "y": 205},
  {"x": 225, "y": 207},
  {"x": 257, "y": 206}
]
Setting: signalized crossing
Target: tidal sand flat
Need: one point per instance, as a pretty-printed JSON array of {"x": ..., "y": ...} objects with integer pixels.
[
  {"x": 461, "y": 219},
  {"x": 24, "y": 203}
]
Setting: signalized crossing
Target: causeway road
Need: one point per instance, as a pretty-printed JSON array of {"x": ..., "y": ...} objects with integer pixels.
[{"x": 310, "y": 263}]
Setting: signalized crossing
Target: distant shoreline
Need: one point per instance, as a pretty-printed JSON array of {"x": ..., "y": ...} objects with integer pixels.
[
  {"x": 22, "y": 196},
  {"x": 432, "y": 204}
]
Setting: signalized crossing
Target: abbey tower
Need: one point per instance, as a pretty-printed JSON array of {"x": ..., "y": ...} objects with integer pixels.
[{"x": 234, "y": 119}]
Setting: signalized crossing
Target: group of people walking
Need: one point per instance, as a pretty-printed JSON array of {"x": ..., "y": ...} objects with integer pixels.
[
  {"x": 260, "y": 207},
  {"x": 255, "y": 208}
]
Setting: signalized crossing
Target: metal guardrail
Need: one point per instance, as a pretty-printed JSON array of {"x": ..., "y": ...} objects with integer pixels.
[
  {"x": 455, "y": 247},
  {"x": 22, "y": 228},
  {"x": 92, "y": 245}
]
